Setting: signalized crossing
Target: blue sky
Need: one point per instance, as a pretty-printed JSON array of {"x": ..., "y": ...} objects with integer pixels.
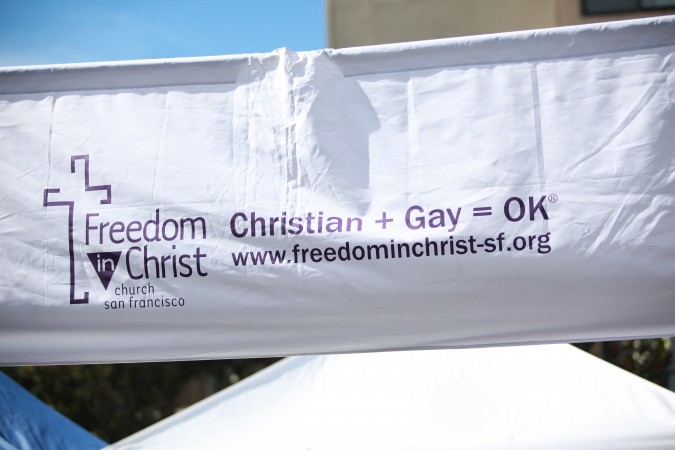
[{"x": 68, "y": 31}]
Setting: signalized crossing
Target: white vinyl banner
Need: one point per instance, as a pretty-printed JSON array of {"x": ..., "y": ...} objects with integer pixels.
[{"x": 496, "y": 190}]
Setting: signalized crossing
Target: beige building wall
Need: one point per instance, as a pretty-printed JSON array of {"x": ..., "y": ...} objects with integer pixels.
[{"x": 353, "y": 23}]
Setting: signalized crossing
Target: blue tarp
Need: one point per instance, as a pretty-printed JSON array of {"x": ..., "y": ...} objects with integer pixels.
[{"x": 26, "y": 423}]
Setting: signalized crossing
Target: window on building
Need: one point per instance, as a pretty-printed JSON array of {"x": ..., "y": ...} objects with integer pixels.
[{"x": 590, "y": 7}]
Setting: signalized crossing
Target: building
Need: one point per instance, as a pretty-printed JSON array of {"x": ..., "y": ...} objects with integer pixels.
[{"x": 353, "y": 23}]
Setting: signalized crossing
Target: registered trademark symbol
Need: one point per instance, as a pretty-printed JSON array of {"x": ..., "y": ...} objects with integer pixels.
[{"x": 553, "y": 198}]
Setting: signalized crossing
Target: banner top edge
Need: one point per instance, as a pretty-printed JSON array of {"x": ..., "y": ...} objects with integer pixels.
[{"x": 561, "y": 42}]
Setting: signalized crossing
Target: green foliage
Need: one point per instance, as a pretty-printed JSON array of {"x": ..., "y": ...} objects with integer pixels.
[
  {"x": 115, "y": 400},
  {"x": 647, "y": 358}
]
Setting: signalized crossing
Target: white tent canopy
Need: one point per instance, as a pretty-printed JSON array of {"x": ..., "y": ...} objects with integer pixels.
[{"x": 553, "y": 397}]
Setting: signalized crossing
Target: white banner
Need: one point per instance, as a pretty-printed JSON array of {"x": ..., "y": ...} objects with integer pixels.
[{"x": 495, "y": 190}]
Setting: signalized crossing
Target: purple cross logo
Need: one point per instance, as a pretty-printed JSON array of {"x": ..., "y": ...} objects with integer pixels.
[{"x": 104, "y": 262}]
